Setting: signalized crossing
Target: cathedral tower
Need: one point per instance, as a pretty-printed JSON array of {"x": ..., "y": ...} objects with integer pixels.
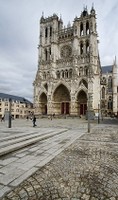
[{"x": 68, "y": 75}]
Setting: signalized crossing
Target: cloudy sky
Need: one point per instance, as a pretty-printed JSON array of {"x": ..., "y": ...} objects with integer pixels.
[{"x": 19, "y": 34}]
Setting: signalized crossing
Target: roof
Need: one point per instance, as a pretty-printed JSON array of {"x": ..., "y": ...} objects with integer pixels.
[
  {"x": 107, "y": 69},
  {"x": 16, "y": 98}
]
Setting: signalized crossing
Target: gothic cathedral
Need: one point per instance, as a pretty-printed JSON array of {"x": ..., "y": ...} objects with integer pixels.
[{"x": 68, "y": 79}]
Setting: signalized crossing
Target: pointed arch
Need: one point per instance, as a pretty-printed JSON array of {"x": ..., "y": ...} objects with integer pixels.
[
  {"x": 81, "y": 29},
  {"x": 103, "y": 92},
  {"x": 87, "y": 46},
  {"x": 81, "y": 98},
  {"x": 42, "y": 96},
  {"x": 43, "y": 103},
  {"x": 61, "y": 83},
  {"x": 81, "y": 48},
  {"x": 86, "y": 71},
  {"x": 70, "y": 73},
  {"x": 83, "y": 82},
  {"x": 110, "y": 83},
  {"x": 50, "y": 31},
  {"x": 87, "y": 28},
  {"x": 61, "y": 100},
  {"x": 61, "y": 93},
  {"x": 58, "y": 74},
  {"x": 79, "y": 90},
  {"x": 46, "y": 54},
  {"x": 46, "y": 32}
]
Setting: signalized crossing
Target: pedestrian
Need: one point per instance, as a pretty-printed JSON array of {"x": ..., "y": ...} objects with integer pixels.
[
  {"x": 2, "y": 119},
  {"x": 27, "y": 118},
  {"x": 34, "y": 121}
]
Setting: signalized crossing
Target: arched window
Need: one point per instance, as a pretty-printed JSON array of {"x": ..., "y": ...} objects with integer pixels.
[
  {"x": 86, "y": 71},
  {"x": 58, "y": 74},
  {"x": 87, "y": 28},
  {"x": 110, "y": 84},
  {"x": 66, "y": 73},
  {"x": 46, "y": 32},
  {"x": 46, "y": 54},
  {"x": 81, "y": 48},
  {"x": 81, "y": 29},
  {"x": 48, "y": 74},
  {"x": 103, "y": 93},
  {"x": 87, "y": 46},
  {"x": 110, "y": 104},
  {"x": 70, "y": 73},
  {"x": 62, "y": 74},
  {"x": 50, "y": 31},
  {"x": 104, "y": 80},
  {"x": 50, "y": 52},
  {"x": 81, "y": 71}
]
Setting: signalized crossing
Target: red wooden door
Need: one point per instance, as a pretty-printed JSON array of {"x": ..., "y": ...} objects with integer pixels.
[{"x": 83, "y": 108}]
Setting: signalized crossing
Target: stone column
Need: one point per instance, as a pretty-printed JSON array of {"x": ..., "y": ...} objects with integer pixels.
[{"x": 73, "y": 106}]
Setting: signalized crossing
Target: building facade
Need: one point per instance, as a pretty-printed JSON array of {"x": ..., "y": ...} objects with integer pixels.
[
  {"x": 109, "y": 89},
  {"x": 19, "y": 107},
  {"x": 68, "y": 78}
]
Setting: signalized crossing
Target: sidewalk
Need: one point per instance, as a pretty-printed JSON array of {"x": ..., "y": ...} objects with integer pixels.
[
  {"x": 35, "y": 147},
  {"x": 85, "y": 166}
]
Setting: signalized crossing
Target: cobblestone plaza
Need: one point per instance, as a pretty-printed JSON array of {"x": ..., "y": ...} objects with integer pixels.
[{"x": 84, "y": 169}]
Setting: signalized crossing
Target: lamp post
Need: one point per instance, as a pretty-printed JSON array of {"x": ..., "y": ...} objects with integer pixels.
[
  {"x": 9, "y": 117},
  {"x": 98, "y": 113},
  {"x": 88, "y": 113}
]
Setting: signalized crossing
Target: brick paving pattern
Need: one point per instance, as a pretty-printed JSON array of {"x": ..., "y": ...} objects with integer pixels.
[{"x": 86, "y": 170}]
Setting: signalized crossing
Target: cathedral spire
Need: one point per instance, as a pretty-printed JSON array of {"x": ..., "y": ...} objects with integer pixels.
[
  {"x": 92, "y": 9},
  {"x": 43, "y": 14},
  {"x": 92, "y": 5},
  {"x": 42, "y": 17},
  {"x": 115, "y": 62}
]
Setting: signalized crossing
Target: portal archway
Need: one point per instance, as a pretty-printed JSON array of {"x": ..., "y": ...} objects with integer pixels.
[
  {"x": 61, "y": 100},
  {"x": 82, "y": 102},
  {"x": 43, "y": 103}
]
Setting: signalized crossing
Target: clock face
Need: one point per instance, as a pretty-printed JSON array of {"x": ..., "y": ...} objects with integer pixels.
[{"x": 66, "y": 51}]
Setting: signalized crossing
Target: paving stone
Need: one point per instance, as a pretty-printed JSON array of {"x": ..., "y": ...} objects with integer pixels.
[
  {"x": 4, "y": 190},
  {"x": 84, "y": 168}
]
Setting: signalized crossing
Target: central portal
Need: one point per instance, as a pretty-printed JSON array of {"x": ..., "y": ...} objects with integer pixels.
[{"x": 61, "y": 100}]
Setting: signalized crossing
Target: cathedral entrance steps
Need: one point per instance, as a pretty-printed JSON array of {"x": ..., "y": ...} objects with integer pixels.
[{"x": 16, "y": 142}]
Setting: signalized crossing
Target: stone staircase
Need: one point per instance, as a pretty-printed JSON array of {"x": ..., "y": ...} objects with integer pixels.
[{"x": 17, "y": 141}]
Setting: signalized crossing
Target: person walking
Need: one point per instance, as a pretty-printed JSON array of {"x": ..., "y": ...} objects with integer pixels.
[
  {"x": 34, "y": 121},
  {"x": 3, "y": 119}
]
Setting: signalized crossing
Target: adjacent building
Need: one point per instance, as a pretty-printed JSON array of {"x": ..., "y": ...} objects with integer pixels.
[
  {"x": 69, "y": 78},
  {"x": 18, "y": 106},
  {"x": 109, "y": 89}
]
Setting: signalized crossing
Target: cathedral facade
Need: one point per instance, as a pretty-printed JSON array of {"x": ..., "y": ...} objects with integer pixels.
[{"x": 69, "y": 75}]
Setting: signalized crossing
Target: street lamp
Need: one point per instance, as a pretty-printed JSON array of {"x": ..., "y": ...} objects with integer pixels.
[
  {"x": 98, "y": 113},
  {"x": 9, "y": 117},
  {"x": 88, "y": 113}
]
